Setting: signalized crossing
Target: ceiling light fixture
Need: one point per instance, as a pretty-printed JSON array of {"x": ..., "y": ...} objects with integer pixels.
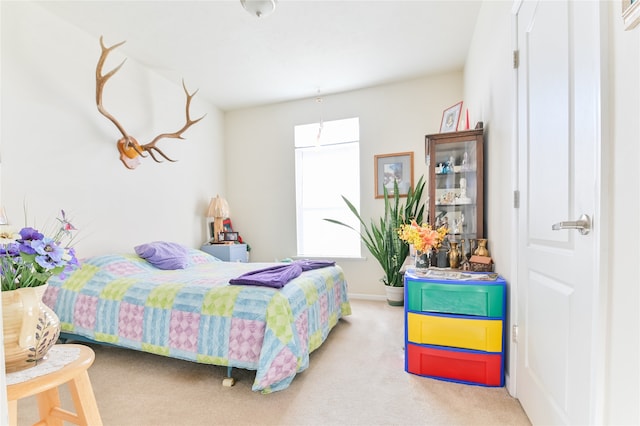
[
  {"x": 321, "y": 124},
  {"x": 259, "y": 8}
]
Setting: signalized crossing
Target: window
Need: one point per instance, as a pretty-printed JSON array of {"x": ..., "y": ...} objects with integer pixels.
[{"x": 327, "y": 168}]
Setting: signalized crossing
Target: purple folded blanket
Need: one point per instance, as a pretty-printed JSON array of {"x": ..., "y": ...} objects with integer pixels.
[{"x": 279, "y": 275}]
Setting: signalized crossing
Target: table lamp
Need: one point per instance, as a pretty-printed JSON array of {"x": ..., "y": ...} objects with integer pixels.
[{"x": 219, "y": 211}]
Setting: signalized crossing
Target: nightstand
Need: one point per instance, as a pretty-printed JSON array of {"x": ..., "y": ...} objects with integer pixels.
[{"x": 227, "y": 252}]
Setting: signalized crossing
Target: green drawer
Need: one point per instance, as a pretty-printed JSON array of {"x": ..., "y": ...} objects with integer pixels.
[{"x": 463, "y": 299}]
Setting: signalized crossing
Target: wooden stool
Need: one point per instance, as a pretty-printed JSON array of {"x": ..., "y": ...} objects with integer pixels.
[{"x": 64, "y": 364}]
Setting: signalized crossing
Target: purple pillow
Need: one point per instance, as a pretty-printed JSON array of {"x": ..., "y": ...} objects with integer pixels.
[{"x": 164, "y": 255}]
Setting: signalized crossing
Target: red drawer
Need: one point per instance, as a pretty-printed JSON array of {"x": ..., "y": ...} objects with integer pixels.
[{"x": 457, "y": 365}]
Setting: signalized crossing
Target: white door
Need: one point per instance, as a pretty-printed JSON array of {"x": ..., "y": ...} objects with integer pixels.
[{"x": 559, "y": 127}]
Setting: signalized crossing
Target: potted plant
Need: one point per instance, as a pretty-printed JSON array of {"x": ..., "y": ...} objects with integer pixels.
[
  {"x": 28, "y": 259},
  {"x": 381, "y": 236}
]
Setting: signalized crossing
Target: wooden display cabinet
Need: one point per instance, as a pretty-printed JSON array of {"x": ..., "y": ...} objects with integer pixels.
[{"x": 456, "y": 182}]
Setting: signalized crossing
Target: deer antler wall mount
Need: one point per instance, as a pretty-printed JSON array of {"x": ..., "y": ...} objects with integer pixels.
[{"x": 128, "y": 146}]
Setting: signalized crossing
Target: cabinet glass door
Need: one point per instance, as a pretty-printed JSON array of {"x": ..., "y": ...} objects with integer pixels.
[{"x": 456, "y": 193}]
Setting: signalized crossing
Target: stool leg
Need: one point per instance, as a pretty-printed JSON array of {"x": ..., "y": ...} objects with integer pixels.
[
  {"x": 47, "y": 401},
  {"x": 85, "y": 400},
  {"x": 13, "y": 413}
]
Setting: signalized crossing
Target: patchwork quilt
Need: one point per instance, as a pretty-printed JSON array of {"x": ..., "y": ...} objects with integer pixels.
[{"x": 194, "y": 314}]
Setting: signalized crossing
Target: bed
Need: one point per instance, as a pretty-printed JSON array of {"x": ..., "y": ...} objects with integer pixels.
[{"x": 195, "y": 314}]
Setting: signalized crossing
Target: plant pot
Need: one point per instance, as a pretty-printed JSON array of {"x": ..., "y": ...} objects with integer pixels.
[
  {"x": 395, "y": 295},
  {"x": 30, "y": 328}
]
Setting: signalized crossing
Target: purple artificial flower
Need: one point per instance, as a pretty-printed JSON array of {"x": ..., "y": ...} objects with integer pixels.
[
  {"x": 10, "y": 250},
  {"x": 72, "y": 263},
  {"x": 30, "y": 234},
  {"x": 49, "y": 253}
]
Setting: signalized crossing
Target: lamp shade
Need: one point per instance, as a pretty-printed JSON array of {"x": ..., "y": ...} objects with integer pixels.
[
  {"x": 218, "y": 207},
  {"x": 259, "y": 8}
]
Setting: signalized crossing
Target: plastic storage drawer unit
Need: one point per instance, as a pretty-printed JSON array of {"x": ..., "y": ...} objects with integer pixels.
[
  {"x": 480, "y": 334},
  {"x": 454, "y": 329},
  {"x": 456, "y": 365}
]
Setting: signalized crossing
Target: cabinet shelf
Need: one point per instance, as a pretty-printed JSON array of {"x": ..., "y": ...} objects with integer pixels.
[
  {"x": 456, "y": 172},
  {"x": 454, "y": 204}
]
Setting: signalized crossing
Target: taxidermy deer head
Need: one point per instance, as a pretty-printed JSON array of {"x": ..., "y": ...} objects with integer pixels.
[{"x": 128, "y": 146}]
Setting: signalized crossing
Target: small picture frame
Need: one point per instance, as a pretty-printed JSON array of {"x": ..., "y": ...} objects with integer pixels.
[
  {"x": 390, "y": 168},
  {"x": 630, "y": 14},
  {"x": 451, "y": 118},
  {"x": 227, "y": 236}
]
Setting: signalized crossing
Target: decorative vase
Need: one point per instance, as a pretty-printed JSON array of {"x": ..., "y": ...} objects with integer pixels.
[
  {"x": 422, "y": 260},
  {"x": 482, "y": 248},
  {"x": 454, "y": 255},
  {"x": 30, "y": 328}
]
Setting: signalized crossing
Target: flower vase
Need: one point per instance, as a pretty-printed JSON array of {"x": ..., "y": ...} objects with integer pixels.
[
  {"x": 422, "y": 261},
  {"x": 30, "y": 328}
]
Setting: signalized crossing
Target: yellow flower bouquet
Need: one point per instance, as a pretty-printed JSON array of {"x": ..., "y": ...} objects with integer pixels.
[{"x": 423, "y": 237}]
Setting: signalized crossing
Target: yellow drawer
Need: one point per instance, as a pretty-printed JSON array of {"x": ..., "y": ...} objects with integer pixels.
[{"x": 479, "y": 334}]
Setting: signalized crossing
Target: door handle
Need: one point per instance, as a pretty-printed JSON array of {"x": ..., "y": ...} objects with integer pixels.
[{"x": 583, "y": 224}]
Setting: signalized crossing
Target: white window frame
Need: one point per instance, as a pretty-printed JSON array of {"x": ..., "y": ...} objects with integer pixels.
[{"x": 338, "y": 140}]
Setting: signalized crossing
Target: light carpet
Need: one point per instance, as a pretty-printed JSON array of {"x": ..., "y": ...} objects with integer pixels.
[{"x": 356, "y": 377}]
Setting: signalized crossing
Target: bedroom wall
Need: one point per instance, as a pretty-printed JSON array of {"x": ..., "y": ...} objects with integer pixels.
[
  {"x": 260, "y": 160},
  {"x": 489, "y": 93},
  {"x": 58, "y": 152},
  {"x": 622, "y": 386}
]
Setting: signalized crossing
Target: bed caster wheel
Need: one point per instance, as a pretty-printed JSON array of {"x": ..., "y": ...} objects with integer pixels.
[{"x": 228, "y": 382}]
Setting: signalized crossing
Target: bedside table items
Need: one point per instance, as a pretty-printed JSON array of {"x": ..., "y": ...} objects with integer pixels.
[
  {"x": 225, "y": 236},
  {"x": 219, "y": 211}
]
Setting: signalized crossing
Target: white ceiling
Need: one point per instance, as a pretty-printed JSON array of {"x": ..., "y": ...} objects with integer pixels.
[{"x": 237, "y": 60}]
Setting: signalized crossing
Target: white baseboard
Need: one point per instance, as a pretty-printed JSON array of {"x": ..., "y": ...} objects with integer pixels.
[{"x": 359, "y": 296}]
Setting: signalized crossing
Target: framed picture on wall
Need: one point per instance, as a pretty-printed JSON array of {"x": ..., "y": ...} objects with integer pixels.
[
  {"x": 390, "y": 168},
  {"x": 451, "y": 118},
  {"x": 630, "y": 13}
]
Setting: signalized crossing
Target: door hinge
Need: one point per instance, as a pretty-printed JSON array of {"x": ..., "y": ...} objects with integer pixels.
[
  {"x": 514, "y": 333},
  {"x": 516, "y": 59},
  {"x": 516, "y": 199}
]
